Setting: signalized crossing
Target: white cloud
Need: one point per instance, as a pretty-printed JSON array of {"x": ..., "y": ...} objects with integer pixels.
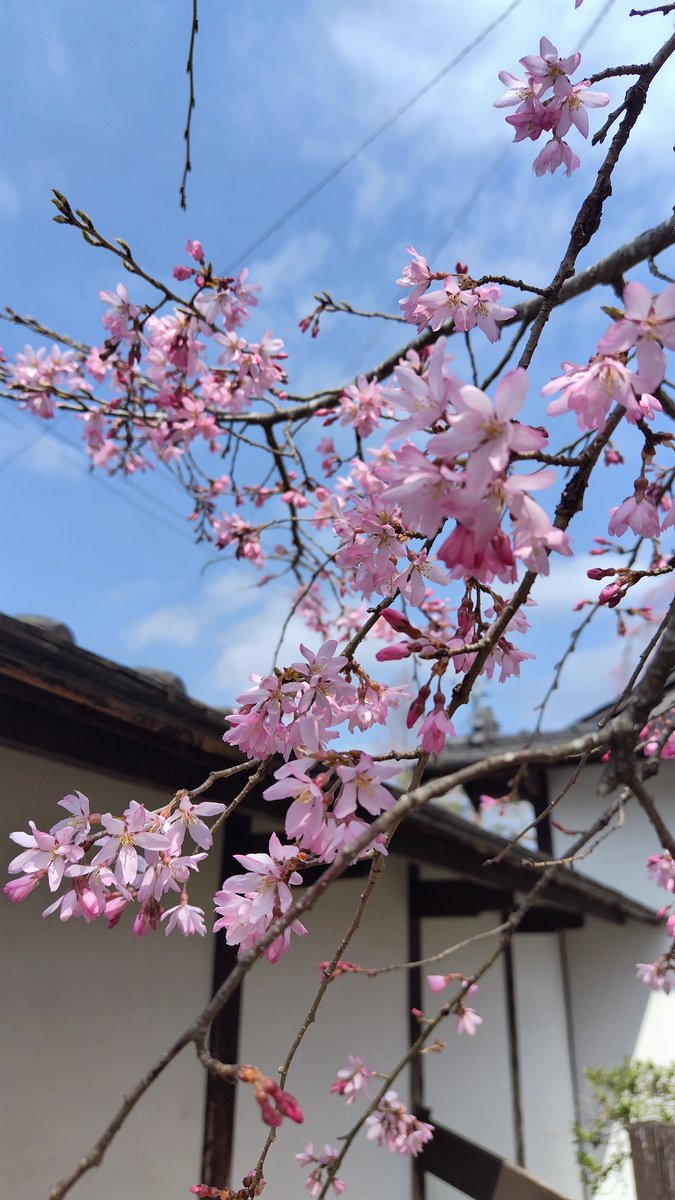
[
  {"x": 590, "y": 678},
  {"x": 183, "y": 623},
  {"x": 288, "y": 268}
]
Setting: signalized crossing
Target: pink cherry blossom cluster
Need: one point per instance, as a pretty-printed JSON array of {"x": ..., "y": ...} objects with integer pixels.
[
  {"x": 322, "y": 817},
  {"x": 661, "y": 869},
  {"x": 539, "y": 112},
  {"x": 392, "y": 1126},
  {"x": 248, "y": 904},
  {"x": 297, "y": 710},
  {"x": 460, "y": 302},
  {"x": 321, "y": 1164},
  {"x": 139, "y": 858},
  {"x": 446, "y": 645},
  {"x": 658, "y": 736},
  {"x": 462, "y": 474},
  {"x": 646, "y": 325},
  {"x": 156, "y": 364},
  {"x": 659, "y": 975}
]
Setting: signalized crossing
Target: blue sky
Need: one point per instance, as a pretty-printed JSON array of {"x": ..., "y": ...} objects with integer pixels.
[{"x": 284, "y": 91}]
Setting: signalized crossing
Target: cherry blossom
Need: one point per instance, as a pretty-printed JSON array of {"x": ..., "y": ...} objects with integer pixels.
[
  {"x": 46, "y": 853},
  {"x": 538, "y": 112},
  {"x": 322, "y": 1164},
  {"x": 661, "y": 869},
  {"x": 648, "y": 324},
  {"x": 248, "y": 904},
  {"x": 655, "y": 975},
  {"x": 123, "y": 835},
  {"x": 185, "y": 917},
  {"x": 352, "y": 1079},
  {"x": 392, "y": 1126}
]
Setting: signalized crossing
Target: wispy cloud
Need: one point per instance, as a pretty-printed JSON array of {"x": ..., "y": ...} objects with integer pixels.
[{"x": 290, "y": 267}]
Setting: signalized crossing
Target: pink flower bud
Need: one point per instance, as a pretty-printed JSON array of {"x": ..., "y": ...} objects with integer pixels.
[
  {"x": 418, "y": 706},
  {"x": 195, "y": 250},
  {"x": 288, "y": 1105},
  {"x": 611, "y": 594},
  {"x": 393, "y": 652},
  {"x": 400, "y": 622},
  {"x": 437, "y": 982},
  {"x": 18, "y": 889},
  {"x": 182, "y": 273}
]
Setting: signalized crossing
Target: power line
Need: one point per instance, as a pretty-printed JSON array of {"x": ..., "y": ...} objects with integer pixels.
[
  {"x": 458, "y": 220},
  {"x": 485, "y": 179},
  {"x": 371, "y": 137},
  {"x": 595, "y": 24},
  {"x": 102, "y": 481}
]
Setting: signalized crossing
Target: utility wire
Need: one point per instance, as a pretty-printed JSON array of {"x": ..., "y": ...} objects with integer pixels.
[
  {"x": 102, "y": 481},
  {"x": 485, "y": 179},
  {"x": 595, "y": 24},
  {"x": 340, "y": 166}
]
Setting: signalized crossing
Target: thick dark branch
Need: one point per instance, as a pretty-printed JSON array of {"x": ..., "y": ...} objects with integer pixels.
[
  {"x": 606, "y": 271},
  {"x": 610, "y": 72}
]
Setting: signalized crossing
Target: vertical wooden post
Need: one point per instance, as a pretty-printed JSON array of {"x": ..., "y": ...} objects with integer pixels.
[
  {"x": 652, "y": 1145},
  {"x": 514, "y": 1053},
  {"x": 415, "y": 1001},
  {"x": 223, "y": 1043}
]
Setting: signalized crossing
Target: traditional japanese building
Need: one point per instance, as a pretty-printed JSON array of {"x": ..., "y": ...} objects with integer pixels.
[{"x": 87, "y": 1010}]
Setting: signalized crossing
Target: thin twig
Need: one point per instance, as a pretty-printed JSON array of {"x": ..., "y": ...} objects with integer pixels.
[
  {"x": 647, "y": 12},
  {"x": 371, "y": 972},
  {"x": 248, "y": 787},
  {"x": 649, "y": 807},
  {"x": 513, "y": 922},
  {"x": 214, "y": 776},
  {"x": 190, "y": 68}
]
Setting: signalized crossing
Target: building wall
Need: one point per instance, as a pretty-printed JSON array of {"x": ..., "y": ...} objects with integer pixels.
[
  {"x": 620, "y": 859},
  {"x": 85, "y": 1012},
  {"x": 615, "y": 1015},
  {"x": 359, "y": 1016},
  {"x": 546, "y": 1061}
]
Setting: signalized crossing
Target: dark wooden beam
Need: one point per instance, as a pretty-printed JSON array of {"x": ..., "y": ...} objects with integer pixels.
[
  {"x": 461, "y": 1163},
  {"x": 514, "y": 1055},
  {"x": 544, "y": 919},
  {"x": 456, "y": 898},
  {"x": 477, "y": 1172},
  {"x": 439, "y": 838},
  {"x": 415, "y": 1002},
  {"x": 464, "y": 898},
  {"x": 219, "y": 1113}
]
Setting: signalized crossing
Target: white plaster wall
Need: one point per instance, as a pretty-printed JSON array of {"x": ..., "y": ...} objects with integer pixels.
[
  {"x": 547, "y": 1092},
  {"x": 620, "y": 860},
  {"x": 614, "y": 1014},
  {"x": 359, "y": 1016},
  {"x": 85, "y": 1011},
  {"x": 468, "y": 1086}
]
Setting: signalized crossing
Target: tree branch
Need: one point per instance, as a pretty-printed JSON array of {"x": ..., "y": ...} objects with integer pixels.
[{"x": 190, "y": 68}]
